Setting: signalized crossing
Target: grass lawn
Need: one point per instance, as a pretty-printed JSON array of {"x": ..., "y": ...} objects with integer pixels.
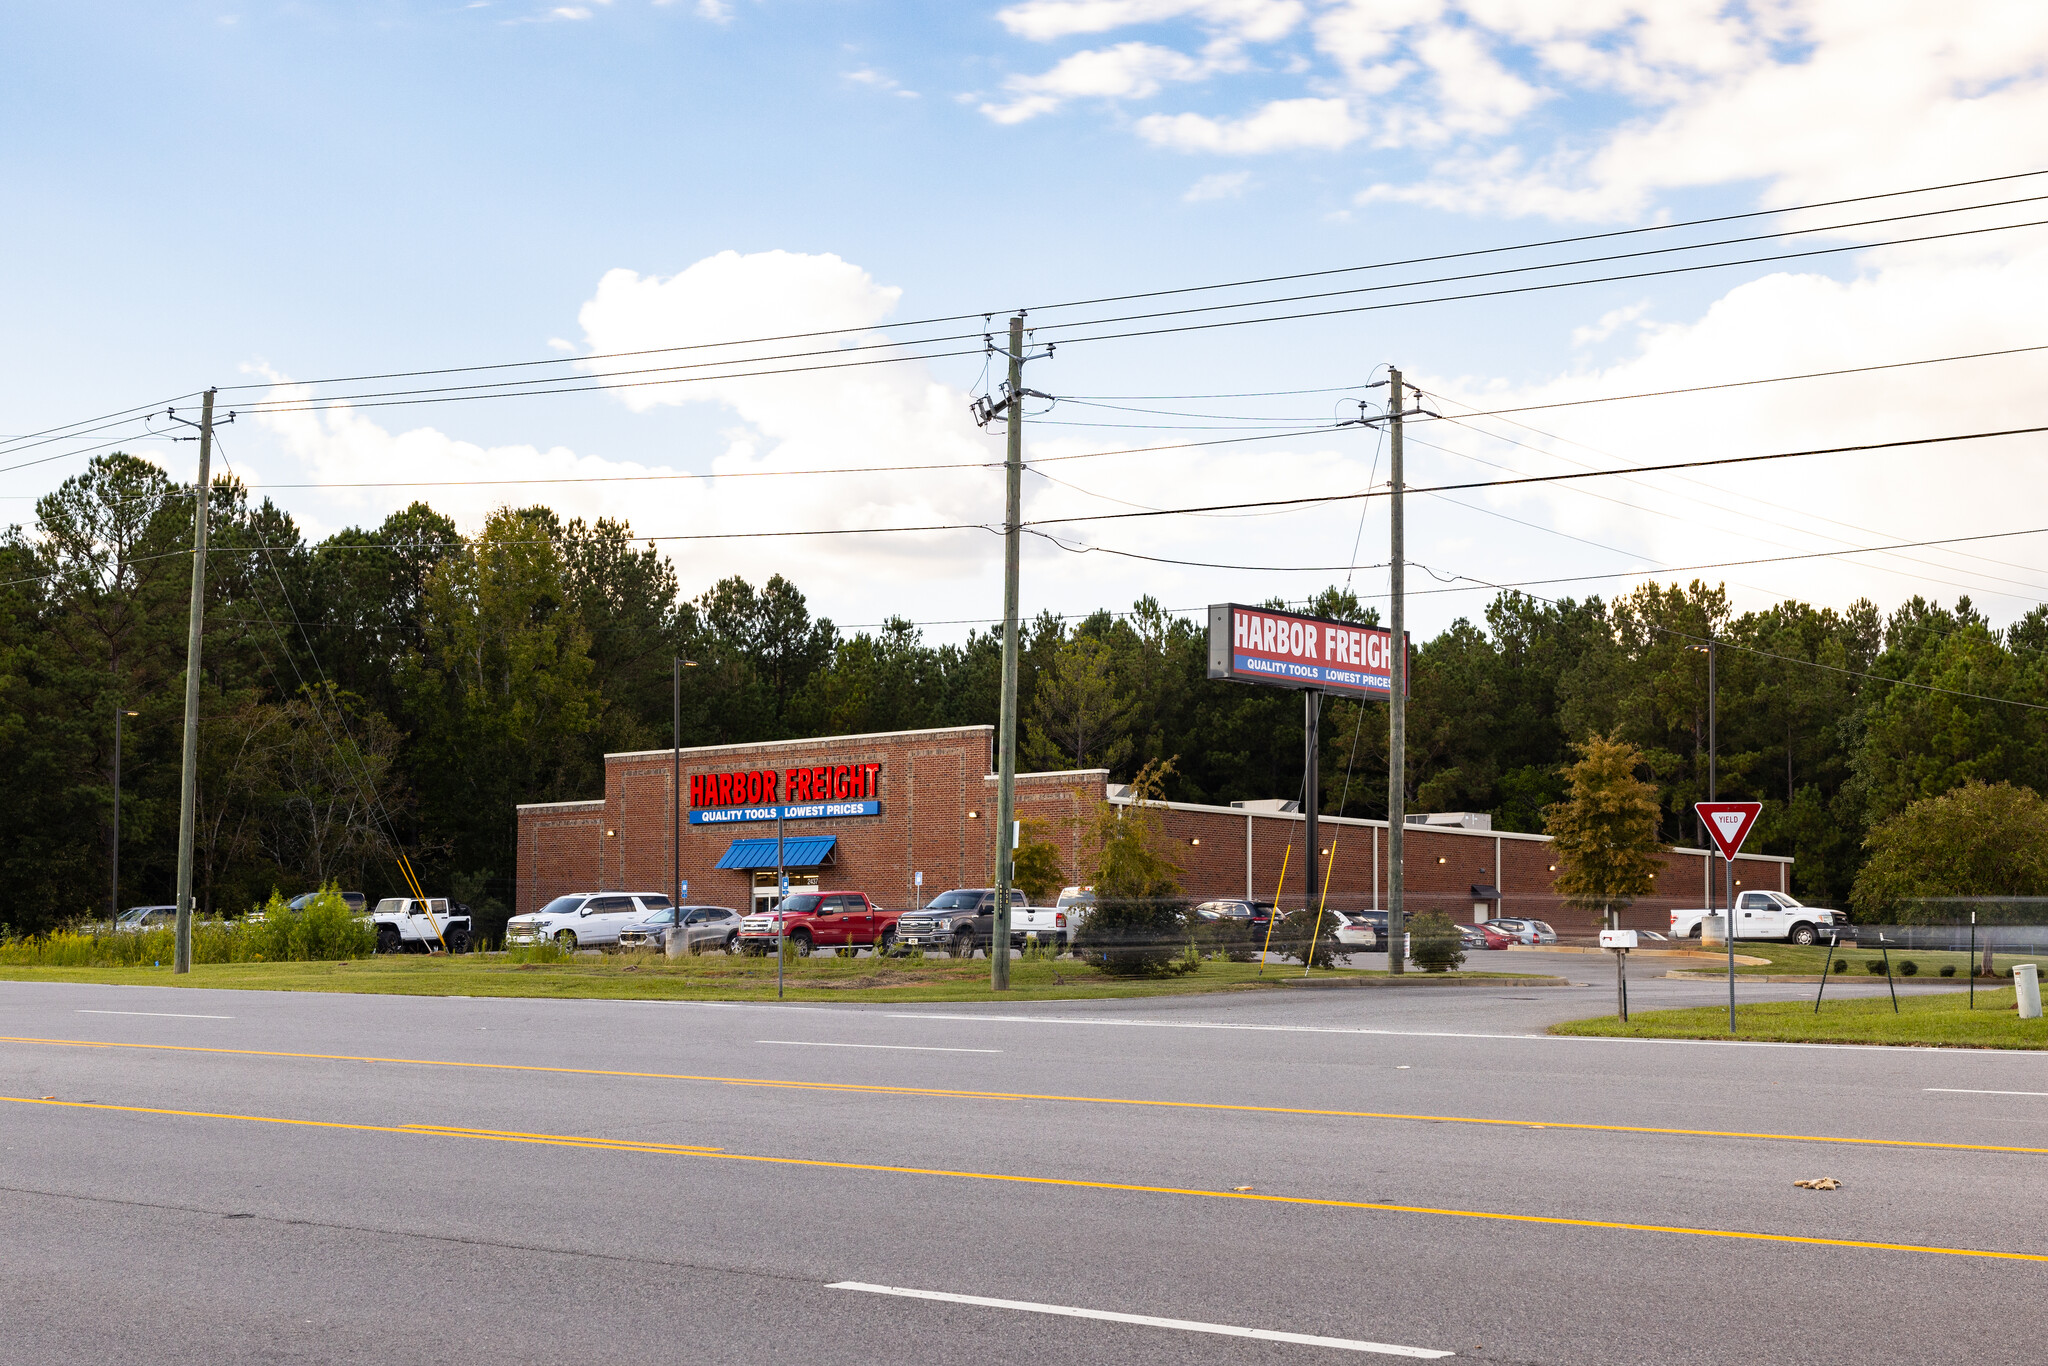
[
  {"x": 1942, "y": 1020},
  {"x": 1791, "y": 959},
  {"x": 712, "y": 977}
]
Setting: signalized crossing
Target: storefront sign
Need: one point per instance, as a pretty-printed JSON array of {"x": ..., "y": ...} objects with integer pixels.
[
  {"x": 815, "y": 792},
  {"x": 807, "y": 811},
  {"x": 1284, "y": 650}
]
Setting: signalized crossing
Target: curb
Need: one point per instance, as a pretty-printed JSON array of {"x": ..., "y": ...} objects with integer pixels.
[{"x": 1422, "y": 980}]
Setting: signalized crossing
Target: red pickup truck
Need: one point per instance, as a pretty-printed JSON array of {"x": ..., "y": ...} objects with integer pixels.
[{"x": 821, "y": 920}]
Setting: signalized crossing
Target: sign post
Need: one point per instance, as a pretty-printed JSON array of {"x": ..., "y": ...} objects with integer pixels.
[
  {"x": 1729, "y": 824},
  {"x": 1621, "y": 941}
]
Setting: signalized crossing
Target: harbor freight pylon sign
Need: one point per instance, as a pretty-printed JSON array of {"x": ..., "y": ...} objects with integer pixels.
[
  {"x": 1284, "y": 650},
  {"x": 1729, "y": 823}
]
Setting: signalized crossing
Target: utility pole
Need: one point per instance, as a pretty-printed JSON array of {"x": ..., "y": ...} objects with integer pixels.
[
  {"x": 188, "y": 814},
  {"x": 1397, "y": 690},
  {"x": 1728, "y": 869},
  {"x": 675, "y": 834},
  {"x": 1006, "y": 733},
  {"x": 1311, "y": 783}
]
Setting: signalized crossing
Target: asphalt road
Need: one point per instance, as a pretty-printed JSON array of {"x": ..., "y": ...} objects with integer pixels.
[{"x": 211, "y": 1189}]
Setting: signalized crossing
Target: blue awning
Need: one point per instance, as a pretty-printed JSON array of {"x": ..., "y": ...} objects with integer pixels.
[{"x": 804, "y": 851}]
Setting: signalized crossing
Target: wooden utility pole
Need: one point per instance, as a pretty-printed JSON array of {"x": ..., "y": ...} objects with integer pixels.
[
  {"x": 1397, "y": 691},
  {"x": 1006, "y": 731},
  {"x": 188, "y": 814}
]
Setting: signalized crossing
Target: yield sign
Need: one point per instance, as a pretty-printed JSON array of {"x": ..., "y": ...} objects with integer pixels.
[{"x": 1729, "y": 823}]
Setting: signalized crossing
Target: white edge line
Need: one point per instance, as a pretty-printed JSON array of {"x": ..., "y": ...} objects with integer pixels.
[
  {"x": 156, "y": 1014},
  {"x": 1147, "y": 1320},
  {"x": 892, "y": 1047},
  {"x": 1965, "y": 1091}
]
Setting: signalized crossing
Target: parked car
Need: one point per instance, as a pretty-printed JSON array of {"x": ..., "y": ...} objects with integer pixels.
[
  {"x": 357, "y": 902},
  {"x": 1770, "y": 915},
  {"x": 1483, "y": 936},
  {"x": 1250, "y": 921},
  {"x": 821, "y": 920},
  {"x": 138, "y": 918},
  {"x": 963, "y": 920},
  {"x": 584, "y": 920},
  {"x": 1075, "y": 903},
  {"x": 1365, "y": 930},
  {"x": 697, "y": 926},
  {"x": 405, "y": 923},
  {"x": 1525, "y": 931}
]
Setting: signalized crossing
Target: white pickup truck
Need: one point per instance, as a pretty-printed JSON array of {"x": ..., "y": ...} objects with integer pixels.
[{"x": 1769, "y": 915}]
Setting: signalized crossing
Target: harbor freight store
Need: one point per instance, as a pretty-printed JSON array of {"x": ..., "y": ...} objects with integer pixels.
[{"x": 906, "y": 815}]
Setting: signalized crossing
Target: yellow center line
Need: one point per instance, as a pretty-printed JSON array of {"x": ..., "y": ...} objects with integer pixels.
[
  {"x": 679, "y": 1150},
  {"x": 862, "y": 1088}
]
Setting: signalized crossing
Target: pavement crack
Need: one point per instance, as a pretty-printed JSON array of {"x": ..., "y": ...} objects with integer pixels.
[{"x": 450, "y": 1239}]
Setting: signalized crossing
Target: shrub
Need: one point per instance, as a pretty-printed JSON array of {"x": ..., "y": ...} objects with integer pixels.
[
  {"x": 1292, "y": 936},
  {"x": 1841, "y": 965},
  {"x": 325, "y": 930},
  {"x": 1874, "y": 967},
  {"x": 1908, "y": 968},
  {"x": 1135, "y": 936},
  {"x": 1948, "y": 969},
  {"x": 1434, "y": 942}
]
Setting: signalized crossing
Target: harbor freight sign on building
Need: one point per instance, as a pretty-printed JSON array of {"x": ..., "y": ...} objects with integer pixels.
[
  {"x": 1283, "y": 650},
  {"x": 811, "y": 793}
]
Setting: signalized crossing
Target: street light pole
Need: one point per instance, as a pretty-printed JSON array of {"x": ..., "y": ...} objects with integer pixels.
[{"x": 114, "y": 909}]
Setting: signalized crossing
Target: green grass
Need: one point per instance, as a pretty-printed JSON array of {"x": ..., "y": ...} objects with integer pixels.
[
  {"x": 1941, "y": 1020},
  {"x": 712, "y": 977},
  {"x": 1792, "y": 959}
]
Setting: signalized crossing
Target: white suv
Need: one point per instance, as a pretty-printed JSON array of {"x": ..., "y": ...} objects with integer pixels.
[{"x": 584, "y": 920}]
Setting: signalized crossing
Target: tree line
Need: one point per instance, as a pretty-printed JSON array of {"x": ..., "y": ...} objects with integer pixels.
[{"x": 403, "y": 686}]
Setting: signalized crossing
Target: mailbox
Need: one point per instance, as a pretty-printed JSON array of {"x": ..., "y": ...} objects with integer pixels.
[{"x": 1617, "y": 939}]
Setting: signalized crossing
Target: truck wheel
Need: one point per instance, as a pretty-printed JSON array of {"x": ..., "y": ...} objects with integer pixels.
[
  {"x": 963, "y": 944},
  {"x": 387, "y": 939},
  {"x": 458, "y": 939},
  {"x": 801, "y": 942},
  {"x": 1694, "y": 932},
  {"x": 567, "y": 939},
  {"x": 1803, "y": 934},
  {"x": 886, "y": 946}
]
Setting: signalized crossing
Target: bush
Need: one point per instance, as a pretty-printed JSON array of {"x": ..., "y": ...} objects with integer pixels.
[
  {"x": 324, "y": 931},
  {"x": 1841, "y": 965},
  {"x": 1135, "y": 936},
  {"x": 1434, "y": 942},
  {"x": 1292, "y": 936},
  {"x": 1908, "y": 968},
  {"x": 1874, "y": 967},
  {"x": 1948, "y": 969}
]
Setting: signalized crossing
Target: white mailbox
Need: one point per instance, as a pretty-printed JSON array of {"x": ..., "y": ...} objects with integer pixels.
[{"x": 1617, "y": 939}]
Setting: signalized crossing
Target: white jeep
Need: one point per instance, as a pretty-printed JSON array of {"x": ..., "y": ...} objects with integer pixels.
[{"x": 405, "y": 923}]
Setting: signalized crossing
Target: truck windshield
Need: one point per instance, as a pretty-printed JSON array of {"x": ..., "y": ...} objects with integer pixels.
[
  {"x": 802, "y": 905},
  {"x": 955, "y": 901}
]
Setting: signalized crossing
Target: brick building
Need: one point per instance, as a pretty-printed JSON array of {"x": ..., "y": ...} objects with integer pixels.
[{"x": 871, "y": 812}]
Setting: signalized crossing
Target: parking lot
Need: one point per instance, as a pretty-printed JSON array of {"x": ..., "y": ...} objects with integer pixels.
[{"x": 241, "y": 1176}]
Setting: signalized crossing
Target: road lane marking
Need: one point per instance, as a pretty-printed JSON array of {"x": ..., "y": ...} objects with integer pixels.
[
  {"x": 1965, "y": 1091},
  {"x": 1008, "y": 1178},
  {"x": 944, "y": 1093},
  {"x": 157, "y": 1014},
  {"x": 1145, "y": 1320},
  {"x": 893, "y": 1047}
]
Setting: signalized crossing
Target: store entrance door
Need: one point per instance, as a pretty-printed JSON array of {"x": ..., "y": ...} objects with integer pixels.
[{"x": 766, "y": 895}]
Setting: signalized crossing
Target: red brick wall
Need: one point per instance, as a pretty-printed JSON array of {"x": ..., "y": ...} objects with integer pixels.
[{"x": 931, "y": 780}]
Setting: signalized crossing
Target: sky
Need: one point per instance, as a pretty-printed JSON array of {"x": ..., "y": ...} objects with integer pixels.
[{"x": 263, "y": 196}]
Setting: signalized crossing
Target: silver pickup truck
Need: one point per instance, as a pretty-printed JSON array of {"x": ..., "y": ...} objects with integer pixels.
[{"x": 963, "y": 920}]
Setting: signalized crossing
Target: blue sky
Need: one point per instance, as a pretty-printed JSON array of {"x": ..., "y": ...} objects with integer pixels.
[{"x": 235, "y": 194}]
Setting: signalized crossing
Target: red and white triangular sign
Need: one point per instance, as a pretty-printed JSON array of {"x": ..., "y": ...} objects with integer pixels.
[{"x": 1729, "y": 822}]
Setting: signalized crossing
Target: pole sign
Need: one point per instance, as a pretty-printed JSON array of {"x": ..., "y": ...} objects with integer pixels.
[
  {"x": 1729, "y": 823},
  {"x": 1286, "y": 650}
]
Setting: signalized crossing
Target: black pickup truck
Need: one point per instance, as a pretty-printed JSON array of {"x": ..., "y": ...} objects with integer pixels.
[{"x": 964, "y": 920}]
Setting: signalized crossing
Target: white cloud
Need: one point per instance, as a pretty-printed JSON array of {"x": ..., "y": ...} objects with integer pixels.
[
  {"x": 1283, "y": 125},
  {"x": 1126, "y": 71},
  {"x": 717, "y": 11},
  {"x": 1260, "y": 21},
  {"x": 1611, "y": 322},
  {"x": 1224, "y": 185},
  {"x": 880, "y": 82}
]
